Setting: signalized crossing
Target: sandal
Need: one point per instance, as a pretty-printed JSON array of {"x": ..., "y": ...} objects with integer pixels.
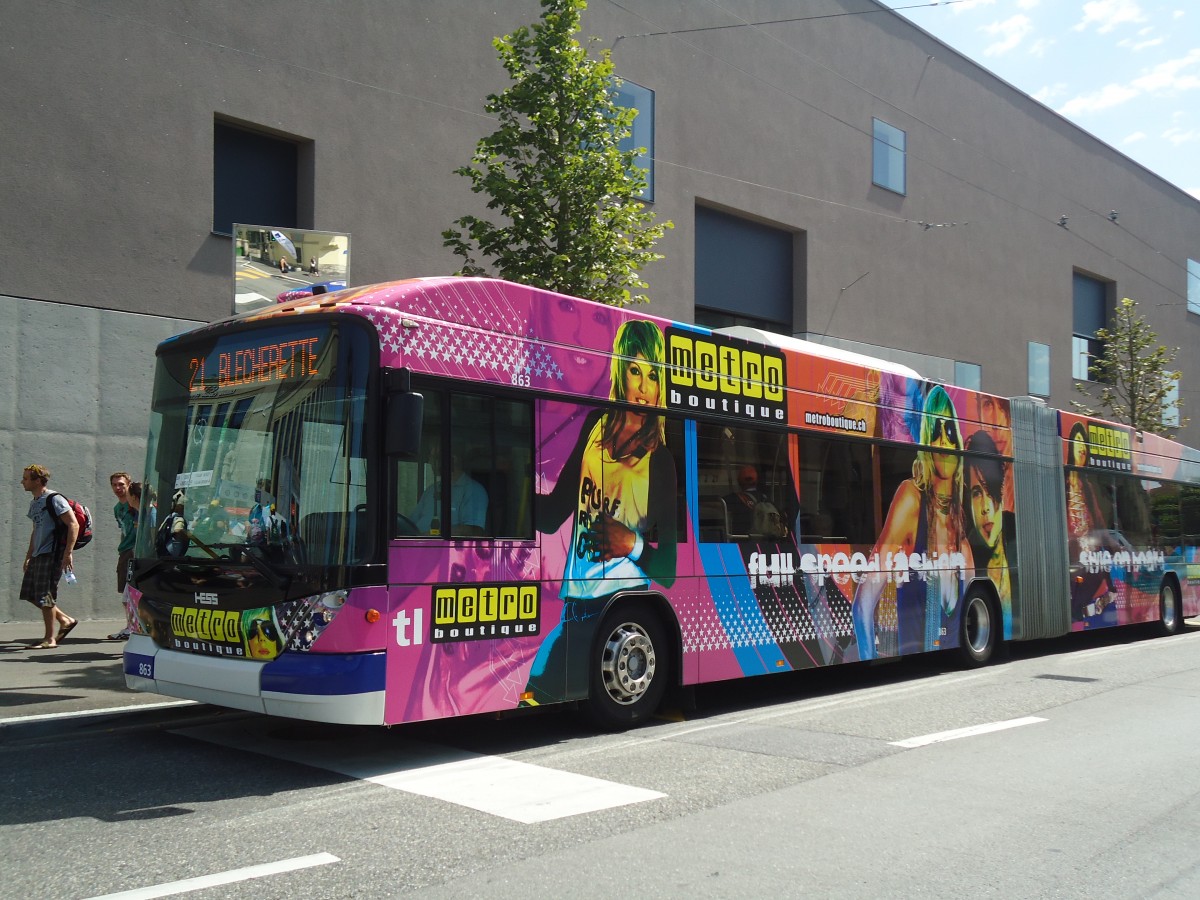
[
  {"x": 44, "y": 645},
  {"x": 66, "y": 629}
]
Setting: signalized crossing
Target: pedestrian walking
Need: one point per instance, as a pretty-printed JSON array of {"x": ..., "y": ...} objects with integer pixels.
[
  {"x": 50, "y": 544},
  {"x": 126, "y": 513}
]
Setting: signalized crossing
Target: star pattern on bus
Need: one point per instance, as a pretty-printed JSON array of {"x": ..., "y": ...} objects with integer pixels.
[{"x": 482, "y": 351}]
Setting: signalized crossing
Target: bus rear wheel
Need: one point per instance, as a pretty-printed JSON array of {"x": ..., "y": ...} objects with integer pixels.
[
  {"x": 1170, "y": 615},
  {"x": 629, "y": 669},
  {"x": 979, "y": 630}
]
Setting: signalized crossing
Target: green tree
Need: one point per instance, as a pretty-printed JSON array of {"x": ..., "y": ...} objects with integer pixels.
[
  {"x": 565, "y": 197},
  {"x": 1133, "y": 374}
]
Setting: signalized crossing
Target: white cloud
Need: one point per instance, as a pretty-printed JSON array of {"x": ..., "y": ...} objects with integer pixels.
[
  {"x": 1165, "y": 78},
  {"x": 1172, "y": 75},
  {"x": 1010, "y": 33},
  {"x": 1051, "y": 92},
  {"x": 1135, "y": 137},
  {"x": 1136, "y": 46},
  {"x": 1178, "y": 136},
  {"x": 1041, "y": 47},
  {"x": 1107, "y": 97},
  {"x": 1109, "y": 14}
]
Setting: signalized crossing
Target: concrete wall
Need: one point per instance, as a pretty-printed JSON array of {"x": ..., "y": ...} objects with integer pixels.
[{"x": 75, "y": 397}]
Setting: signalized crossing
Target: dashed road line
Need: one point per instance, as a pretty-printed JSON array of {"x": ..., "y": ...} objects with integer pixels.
[
  {"x": 971, "y": 731},
  {"x": 233, "y": 876}
]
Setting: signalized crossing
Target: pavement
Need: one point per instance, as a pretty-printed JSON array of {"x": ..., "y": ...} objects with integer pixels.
[{"x": 81, "y": 679}]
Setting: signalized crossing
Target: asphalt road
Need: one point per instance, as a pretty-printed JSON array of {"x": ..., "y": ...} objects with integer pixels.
[{"x": 1065, "y": 771}]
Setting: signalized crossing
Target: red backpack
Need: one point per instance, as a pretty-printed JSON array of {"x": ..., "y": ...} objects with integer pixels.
[{"x": 83, "y": 516}]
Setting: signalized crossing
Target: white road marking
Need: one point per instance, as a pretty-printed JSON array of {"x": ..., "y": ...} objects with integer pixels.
[
  {"x": 513, "y": 790},
  {"x": 500, "y": 787},
  {"x": 83, "y": 713},
  {"x": 965, "y": 732},
  {"x": 234, "y": 875}
]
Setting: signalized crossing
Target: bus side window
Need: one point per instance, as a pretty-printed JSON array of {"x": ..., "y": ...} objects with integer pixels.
[
  {"x": 419, "y": 506},
  {"x": 484, "y": 444}
]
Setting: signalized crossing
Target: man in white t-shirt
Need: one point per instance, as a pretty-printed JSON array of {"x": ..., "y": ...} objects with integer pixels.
[{"x": 50, "y": 544}]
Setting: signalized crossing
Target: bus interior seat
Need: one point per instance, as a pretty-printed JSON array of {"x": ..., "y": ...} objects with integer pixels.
[{"x": 495, "y": 483}]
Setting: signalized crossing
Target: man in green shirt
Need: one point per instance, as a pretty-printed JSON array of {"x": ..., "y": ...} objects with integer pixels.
[{"x": 126, "y": 513}]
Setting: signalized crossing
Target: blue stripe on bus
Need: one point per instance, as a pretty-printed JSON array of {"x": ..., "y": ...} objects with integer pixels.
[
  {"x": 138, "y": 664},
  {"x": 691, "y": 479},
  {"x": 325, "y": 674},
  {"x": 737, "y": 609}
]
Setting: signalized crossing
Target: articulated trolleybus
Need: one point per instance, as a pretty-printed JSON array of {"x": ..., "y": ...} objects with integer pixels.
[{"x": 451, "y": 496}]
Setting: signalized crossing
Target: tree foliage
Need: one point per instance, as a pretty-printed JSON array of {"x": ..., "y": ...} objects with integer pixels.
[
  {"x": 565, "y": 197},
  {"x": 1133, "y": 374}
]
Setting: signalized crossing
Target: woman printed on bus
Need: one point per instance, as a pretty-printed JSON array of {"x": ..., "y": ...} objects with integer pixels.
[
  {"x": 1092, "y": 589},
  {"x": 925, "y": 520},
  {"x": 992, "y": 526},
  {"x": 619, "y": 486},
  {"x": 262, "y": 635}
]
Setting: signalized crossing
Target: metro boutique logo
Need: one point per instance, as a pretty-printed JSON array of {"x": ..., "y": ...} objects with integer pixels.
[
  {"x": 723, "y": 375},
  {"x": 473, "y": 612}
]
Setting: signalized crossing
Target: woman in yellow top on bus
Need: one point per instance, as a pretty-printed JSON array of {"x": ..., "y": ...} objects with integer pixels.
[
  {"x": 619, "y": 487},
  {"x": 925, "y": 521}
]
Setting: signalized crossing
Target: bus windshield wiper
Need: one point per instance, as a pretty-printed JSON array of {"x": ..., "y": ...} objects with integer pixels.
[{"x": 278, "y": 580}]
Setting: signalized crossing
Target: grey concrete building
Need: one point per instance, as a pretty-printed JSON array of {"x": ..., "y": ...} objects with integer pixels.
[{"x": 842, "y": 176}]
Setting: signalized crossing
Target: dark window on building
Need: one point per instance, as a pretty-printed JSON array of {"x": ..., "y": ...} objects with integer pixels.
[
  {"x": 1089, "y": 315},
  {"x": 888, "y": 157},
  {"x": 634, "y": 96},
  {"x": 744, "y": 273},
  {"x": 255, "y": 179}
]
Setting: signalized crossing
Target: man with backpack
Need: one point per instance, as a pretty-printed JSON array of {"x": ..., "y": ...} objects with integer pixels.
[{"x": 55, "y": 529}]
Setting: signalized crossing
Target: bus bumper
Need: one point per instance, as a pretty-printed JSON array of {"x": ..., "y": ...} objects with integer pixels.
[{"x": 345, "y": 689}]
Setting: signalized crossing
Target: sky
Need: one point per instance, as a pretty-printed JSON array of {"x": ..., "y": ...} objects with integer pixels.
[{"x": 1125, "y": 71}]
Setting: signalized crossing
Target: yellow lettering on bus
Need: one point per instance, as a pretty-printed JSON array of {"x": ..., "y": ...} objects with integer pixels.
[{"x": 445, "y": 606}]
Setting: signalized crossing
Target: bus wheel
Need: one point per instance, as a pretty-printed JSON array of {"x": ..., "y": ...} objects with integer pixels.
[
  {"x": 629, "y": 668},
  {"x": 1170, "y": 616},
  {"x": 979, "y": 631}
]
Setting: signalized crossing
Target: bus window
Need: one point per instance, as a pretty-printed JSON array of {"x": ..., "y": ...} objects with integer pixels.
[
  {"x": 486, "y": 444},
  {"x": 1133, "y": 512},
  {"x": 837, "y": 492},
  {"x": 1165, "y": 522},
  {"x": 746, "y": 487}
]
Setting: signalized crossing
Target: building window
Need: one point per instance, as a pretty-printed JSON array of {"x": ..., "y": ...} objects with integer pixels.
[
  {"x": 888, "y": 157},
  {"x": 743, "y": 273},
  {"x": 634, "y": 96},
  {"x": 1170, "y": 415},
  {"x": 968, "y": 375},
  {"x": 1089, "y": 315},
  {"x": 1039, "y": 369},
  {"x": 1193, "y": 286},
  {"x": 255, "y": 179}
]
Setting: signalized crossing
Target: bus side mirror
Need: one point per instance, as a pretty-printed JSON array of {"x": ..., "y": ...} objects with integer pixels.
[{"x": 402, "y": 434}]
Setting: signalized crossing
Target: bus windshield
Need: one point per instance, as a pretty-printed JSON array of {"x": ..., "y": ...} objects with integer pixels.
[{"x": 257, "y": 448}]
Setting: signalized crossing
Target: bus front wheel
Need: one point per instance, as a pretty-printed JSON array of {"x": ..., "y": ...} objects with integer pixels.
[
  {"x": 630, "y": 667},
  {"x": 979, "y": 631},
  {"x": 1170, "y": 616}
]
